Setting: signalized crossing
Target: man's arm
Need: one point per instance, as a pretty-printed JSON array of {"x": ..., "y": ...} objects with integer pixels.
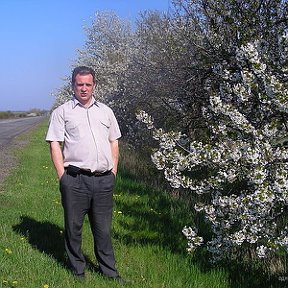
[
  {"x": 57, "y": 157},
  {"x": 115, "y": 155}
]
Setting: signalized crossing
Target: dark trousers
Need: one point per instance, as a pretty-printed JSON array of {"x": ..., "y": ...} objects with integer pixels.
[{"x": 91, "y": 195}]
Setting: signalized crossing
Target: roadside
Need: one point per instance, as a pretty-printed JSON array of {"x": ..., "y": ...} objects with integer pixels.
[
  {"x": 7, "y": 154},
  {"x": 7, "y": 158}
]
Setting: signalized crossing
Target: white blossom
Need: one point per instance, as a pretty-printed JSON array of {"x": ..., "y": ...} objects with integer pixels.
[
  {"x": 247, "y": 215},
  {"x": 261, "y": 251}
]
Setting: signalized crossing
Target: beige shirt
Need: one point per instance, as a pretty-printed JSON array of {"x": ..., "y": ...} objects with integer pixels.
[{"x": 86, "y": 134}]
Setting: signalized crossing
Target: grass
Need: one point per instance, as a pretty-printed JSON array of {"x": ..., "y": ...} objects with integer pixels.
[{"x": 149, "y": 246}]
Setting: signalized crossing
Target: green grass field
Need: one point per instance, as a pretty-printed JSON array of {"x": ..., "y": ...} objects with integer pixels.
[{"x": 149, "y": 245}]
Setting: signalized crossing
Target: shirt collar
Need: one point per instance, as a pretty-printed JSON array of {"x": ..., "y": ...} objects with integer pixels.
[{"x": 76, "y": 102}]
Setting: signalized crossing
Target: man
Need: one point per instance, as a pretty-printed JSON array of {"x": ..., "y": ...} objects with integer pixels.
[{"x": 83, "y": 136}]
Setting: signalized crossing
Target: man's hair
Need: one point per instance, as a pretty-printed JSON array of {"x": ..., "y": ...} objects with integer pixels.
[{"x": 83, "y": 70}]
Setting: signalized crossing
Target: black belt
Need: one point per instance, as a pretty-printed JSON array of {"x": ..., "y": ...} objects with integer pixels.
[{"x": 74, "y": 170}]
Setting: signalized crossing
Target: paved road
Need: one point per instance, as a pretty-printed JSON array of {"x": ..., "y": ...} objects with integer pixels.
[{"x": 10, "y": 128}]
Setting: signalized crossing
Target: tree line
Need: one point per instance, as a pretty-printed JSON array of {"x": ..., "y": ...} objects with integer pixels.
[{"x": 21, "y": 114}]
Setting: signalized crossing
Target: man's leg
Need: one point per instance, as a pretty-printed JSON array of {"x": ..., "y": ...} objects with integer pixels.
[
  {"x": 100, "y": 216},
  {"x": 75, "y": 201}
]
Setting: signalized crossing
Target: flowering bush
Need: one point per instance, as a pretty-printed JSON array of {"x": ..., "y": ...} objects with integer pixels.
[{"x": 243, "y": 163}]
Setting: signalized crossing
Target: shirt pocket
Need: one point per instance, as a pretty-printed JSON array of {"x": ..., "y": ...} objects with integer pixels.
[
  {"x": 106, "y": 123},
  {"x": 73, "y": 130}
]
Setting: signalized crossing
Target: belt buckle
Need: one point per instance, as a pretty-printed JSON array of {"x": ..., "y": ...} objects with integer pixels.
[{"x": 96, "y": 173}]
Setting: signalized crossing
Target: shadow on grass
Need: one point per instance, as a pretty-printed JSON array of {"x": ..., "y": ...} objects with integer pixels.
[
  {"x": 155, "y": 218},
  {"x": 246, "y": 276},
  {"x": 48, "y": 238},
  {"x": 159, "y": 219}
]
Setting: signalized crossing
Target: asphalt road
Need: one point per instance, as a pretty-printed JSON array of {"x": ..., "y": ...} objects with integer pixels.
[{"x": 10, "y": 128}]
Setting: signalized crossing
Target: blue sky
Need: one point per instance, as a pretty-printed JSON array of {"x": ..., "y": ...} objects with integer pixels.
[{"x": 39, "y": 40}]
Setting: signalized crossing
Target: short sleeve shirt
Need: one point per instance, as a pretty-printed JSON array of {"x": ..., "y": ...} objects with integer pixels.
[{"x": 86, "y": 134}]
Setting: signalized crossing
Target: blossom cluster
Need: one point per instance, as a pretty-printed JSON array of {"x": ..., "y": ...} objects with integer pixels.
[{"x": 244, "y": 164}]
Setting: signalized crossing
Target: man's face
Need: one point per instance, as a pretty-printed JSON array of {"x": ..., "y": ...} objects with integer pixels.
[{"x": 83, "y": 88}]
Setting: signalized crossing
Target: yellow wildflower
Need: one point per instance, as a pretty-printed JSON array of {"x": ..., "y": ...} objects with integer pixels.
[{"x": 8, "y": 251}]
